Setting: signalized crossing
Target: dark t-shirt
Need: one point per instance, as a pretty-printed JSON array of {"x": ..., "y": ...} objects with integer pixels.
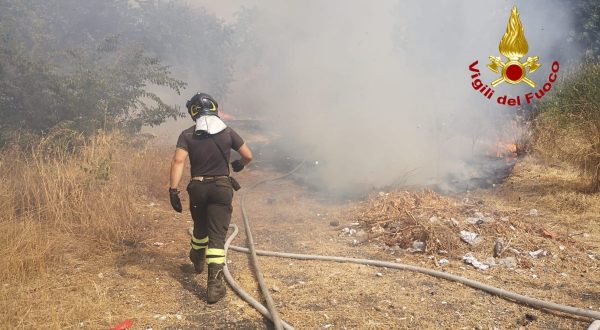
[{"x": 205, "y": 157}]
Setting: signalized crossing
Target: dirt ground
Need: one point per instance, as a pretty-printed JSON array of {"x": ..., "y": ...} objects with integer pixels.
[{"x": 153, "y": 283}]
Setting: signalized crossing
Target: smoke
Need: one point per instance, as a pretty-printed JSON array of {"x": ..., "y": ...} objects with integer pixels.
[{"x": 380, "y": 92}]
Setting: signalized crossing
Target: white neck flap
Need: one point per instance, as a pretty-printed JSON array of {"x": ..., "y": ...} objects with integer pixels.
[{"x": 210, "y": 124}]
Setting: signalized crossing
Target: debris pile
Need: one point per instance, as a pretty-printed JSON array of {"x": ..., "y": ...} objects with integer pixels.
[{"x": 468, "y": 230}]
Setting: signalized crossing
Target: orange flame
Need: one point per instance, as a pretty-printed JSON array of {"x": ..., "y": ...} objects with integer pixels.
[
  {"x": 513, "y": 44},
  {"x": 506, "y": 150}
]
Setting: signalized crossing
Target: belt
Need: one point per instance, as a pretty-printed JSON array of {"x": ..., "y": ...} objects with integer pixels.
[{"x": 204, "y": 178}]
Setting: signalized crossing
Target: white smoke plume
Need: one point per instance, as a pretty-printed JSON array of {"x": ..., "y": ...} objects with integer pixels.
[{"x": 379, "y": 92}]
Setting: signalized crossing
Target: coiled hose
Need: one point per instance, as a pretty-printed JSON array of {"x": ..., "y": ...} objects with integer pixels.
[{"x": 270, "y": 312}]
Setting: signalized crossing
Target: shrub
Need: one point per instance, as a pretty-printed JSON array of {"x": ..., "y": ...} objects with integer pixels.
[{"x": 567, "y": 128}]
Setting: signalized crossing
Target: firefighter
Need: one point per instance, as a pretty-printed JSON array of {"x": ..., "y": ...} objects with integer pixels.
[{"x": 208, "y": 144}]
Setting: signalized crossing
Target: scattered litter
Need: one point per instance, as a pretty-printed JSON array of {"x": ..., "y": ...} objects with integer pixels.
[
  {"x": 547, "y": 234},
  {"x": 394, "y": 248},
  {"x": 443, "y": 262},
  {"x": 354, "y": 242},
  {"x": 349, "y": 231},
  {"x": 498, "y": 247},
  {"x": 562, "y": 248},
  {"x": 591, "y": 256},
  {"x": 427, "y": 221},
  {"x": 479, "y": 218},
  {"x": 379, "y": 274},
  {"x": 275, "y": 288},
  {"x": 162, "y": 318},
  {"x": 158, "y": 243},
  {"x": 417, "y": 246},
  {"x": 538, "y": 253},
  {"x": 528, "y": 318},
  {"x": 179, "y": 317},
  {"x": 490, "y": 261},
  {"x": 327, "y": 326},
  {"x": 475, "y": 221},
  {"x": 454, "y": 222},
  {"x": 508, "y": 262},
  {"x": 470, "y": 237},
  {"x": 121, "y": 326},
  {"x": 586, "y": 235},
  {"x": 151, "y": 205},
  {"x": 471, "y": 260},
  {"x": 355, "y": 224}
]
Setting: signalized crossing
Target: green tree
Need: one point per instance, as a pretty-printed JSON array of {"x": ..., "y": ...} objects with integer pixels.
[
  {"x": 586, "y": 26},
  {"x": 89, "y": 64}
]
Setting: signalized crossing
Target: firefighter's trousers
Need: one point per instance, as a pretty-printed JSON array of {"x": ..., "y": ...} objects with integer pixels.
[{"x": 210, "y": 205}]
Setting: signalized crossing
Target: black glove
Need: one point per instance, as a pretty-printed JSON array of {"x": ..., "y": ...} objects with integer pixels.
[
  {"x": 237, "y": 165},
  {"x": 175, "y": 201}
]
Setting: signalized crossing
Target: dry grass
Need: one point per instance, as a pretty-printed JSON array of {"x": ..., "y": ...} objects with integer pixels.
[
  {"x": 68, "y": 201},
  {"x": 559, "y": 193},
  {"x": 567, "y": 130},
  {"x": 573, "y": 140}
]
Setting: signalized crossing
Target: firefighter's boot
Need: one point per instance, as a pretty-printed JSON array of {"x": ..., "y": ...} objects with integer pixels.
[
  {"x": 198, "y": 258},
  {"x": 216, "y": 284},
  {"x": 198, "y": 253}
]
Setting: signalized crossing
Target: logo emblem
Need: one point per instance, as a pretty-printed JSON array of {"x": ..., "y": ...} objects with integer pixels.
[
  {"x": 513, "y": 46},
  {"x": 194, "y": 110}
]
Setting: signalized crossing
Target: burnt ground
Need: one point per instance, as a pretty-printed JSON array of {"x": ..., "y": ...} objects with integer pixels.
[{"x": 153, "y": 283}]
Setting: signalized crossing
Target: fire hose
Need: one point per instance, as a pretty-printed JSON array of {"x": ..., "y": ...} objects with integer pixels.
[{"x": 271, "y": 313}]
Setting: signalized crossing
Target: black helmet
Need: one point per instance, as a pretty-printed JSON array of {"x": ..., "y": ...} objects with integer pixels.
[{"x": 202, "y": 104}]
